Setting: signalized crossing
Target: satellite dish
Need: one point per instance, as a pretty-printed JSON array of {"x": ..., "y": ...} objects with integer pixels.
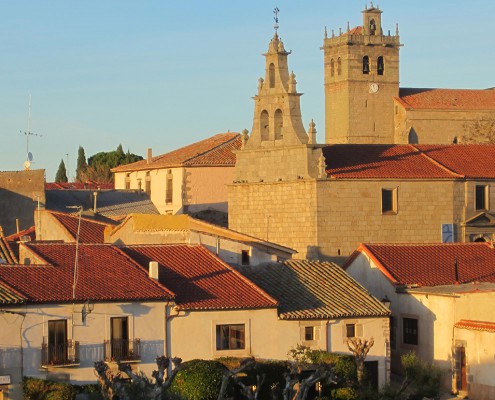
[
  {"x": 27, "y": 165},
  {"x": 30, "y": 156}
]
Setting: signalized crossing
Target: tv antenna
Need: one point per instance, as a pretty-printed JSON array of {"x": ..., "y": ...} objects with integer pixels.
[{"x": 28, "y": 133}]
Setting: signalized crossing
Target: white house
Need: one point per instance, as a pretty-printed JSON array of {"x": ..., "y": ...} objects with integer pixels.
[{"x": 442, "y": 302}]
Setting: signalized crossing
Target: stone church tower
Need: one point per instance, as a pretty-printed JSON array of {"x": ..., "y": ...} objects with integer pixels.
[{"x": 361, "y": 80}]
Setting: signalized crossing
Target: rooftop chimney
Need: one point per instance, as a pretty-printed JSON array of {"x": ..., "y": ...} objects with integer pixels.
[
  {"x": 149, "y": 155},
  {"x": 153, "y": 270}
]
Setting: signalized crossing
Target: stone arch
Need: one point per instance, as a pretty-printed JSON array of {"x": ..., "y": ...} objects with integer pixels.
[
  {"x": 264, "y": 125},
  {"x": 279, "y": 124}
]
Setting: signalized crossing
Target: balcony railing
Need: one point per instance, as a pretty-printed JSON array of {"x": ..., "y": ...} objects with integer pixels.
[
  {"x": 59, "y": 355},
  {"x": 123, "y": 350}
]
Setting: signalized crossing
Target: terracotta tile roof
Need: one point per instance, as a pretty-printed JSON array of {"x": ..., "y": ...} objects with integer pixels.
[
  {"x": 314, "y": 290},
  {"x": 357, "y": 30},
  {"x": 432, "y": 264},
  {"x": 447, "y": 99},
  {"x": 217, "y": 150},
  {"x": 364, "y": 161},
  {"x": 370, "y": 161},
  {"x": 476, "y": 325},
  {"x": 469, "y": 160},
  {"x": 29, "y": 232},
  {"x": 8, "y": 295},
  {"x": 7, "y": 254},
  {"x": 199, "y": 278},
  {"x": 104, "y": 274},
  {"x": 91, "y": 231}
]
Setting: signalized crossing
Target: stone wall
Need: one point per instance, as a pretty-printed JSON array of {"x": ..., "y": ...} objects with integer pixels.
[{"x": 19, "y": 194}]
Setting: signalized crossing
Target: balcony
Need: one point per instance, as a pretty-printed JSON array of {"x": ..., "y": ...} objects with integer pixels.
[
  {"x": 123, "y": 350},
  {"x": 65, "y": 354}
]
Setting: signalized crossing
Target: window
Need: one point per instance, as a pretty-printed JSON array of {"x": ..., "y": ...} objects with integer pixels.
[
  {"x": 366, "y": 65},
  {"x": 372, "y": 27},
  {"x": 271, "y": 75},
  {"x": 309, "y": 333},
  {"x": 350, "y": 330},
  {"x": 245, "y": 257},
  {"x": 119, "y": 338},
  {"x": 169, "y": 193},
  {"x": 410, "y": 331},
  {"x": 481, "y": 200},
  {"x": 279, "y": 124},
  {"x": 332, "y": 67},
  {"x": 230, "y": 337},
  {"x": 128, "y": 181},
  {"x": 380, "y": 66},
  {"x": 339, "y": 66},
  {"x": 57, "y": 342},
  {"x": 389, "y": 201}
]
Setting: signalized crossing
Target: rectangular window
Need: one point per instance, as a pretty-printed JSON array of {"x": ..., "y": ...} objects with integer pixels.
[
  {"x": 57, "y": 342},
  {"x": 309, "y": 333},
  {"x": 410, "y": 331},
  {"x": 350, "y": 330},
  {"x": 481, "y": 197},
  {"x": 127, "y": 181},
  {"x": 389, "y": 201},
  {"x": 119, "y": 337},
  {"x": 245, "y": 257},
  {"x": 169, "y": 190},
  {"x": 230, "y": 337}
]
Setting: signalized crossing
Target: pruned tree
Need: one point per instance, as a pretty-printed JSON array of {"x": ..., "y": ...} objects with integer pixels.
[
  {"x": 297, "y": 387},
  {"x": 61, "y": 175},
  {"x": 233, "y": 374},
  {"x": 479, "y": 131},
  {"x": 140, "y": 387},
  {"x": 359, "y": 349}
]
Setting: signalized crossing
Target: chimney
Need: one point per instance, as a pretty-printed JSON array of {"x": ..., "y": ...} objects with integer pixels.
[
  {"x": 153, "y": 270},
  {"x": 149, "y": 155}
]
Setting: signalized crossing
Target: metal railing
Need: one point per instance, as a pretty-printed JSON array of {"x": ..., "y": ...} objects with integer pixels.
[
  {"x": 124, "y": 350},
  {"x": 59, "y": 355}
]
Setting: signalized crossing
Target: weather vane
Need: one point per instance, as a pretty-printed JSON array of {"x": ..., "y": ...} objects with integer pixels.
[{"x": 275, "y": 18}]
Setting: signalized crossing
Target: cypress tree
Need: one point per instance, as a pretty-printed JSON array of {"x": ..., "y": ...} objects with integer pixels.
[
  {"x": 81, "y": 164},
  {"x": 61, "y": 176}
]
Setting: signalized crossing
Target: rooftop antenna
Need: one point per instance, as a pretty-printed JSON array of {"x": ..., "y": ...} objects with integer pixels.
[
  {"x": 28, "y": 133},
  {"x": 275, "y": 18}
]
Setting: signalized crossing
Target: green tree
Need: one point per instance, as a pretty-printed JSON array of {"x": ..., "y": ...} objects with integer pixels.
[
  {"x": 81, "y": 164},
  {"x": 61, "y": 176}
]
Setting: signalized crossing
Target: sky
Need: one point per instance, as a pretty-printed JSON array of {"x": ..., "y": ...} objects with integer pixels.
[{"x": 163, "y": 74}]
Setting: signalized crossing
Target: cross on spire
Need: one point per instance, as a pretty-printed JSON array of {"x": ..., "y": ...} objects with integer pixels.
[{"x": 275, "y": 18}]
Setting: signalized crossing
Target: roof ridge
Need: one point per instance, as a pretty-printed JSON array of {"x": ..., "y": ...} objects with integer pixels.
[
  {"x": 437, "y": 163},
  {"x": 364, "y": 248},
  {"x": 236, "y": 135}
]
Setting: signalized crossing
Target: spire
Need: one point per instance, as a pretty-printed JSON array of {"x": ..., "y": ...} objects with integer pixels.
[{"x": 312, "y": 132}]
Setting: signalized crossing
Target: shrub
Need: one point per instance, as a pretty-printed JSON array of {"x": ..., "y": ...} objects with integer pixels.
[
  {"x": 424, "y": 377},
  {"x": 345, "y": 393},
  {"x": 40, "y": 389},
  {"x": 198, "y": 380}
]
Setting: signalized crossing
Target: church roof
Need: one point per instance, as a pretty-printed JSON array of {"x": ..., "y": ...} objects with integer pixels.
[
  {"x": 215, "y": 151},
  {"x": 314, "y": 290},
  {"x": 432, "y": 264},
  {"x": 370, "y": 161},
  {"x": 447, "y": 99}
]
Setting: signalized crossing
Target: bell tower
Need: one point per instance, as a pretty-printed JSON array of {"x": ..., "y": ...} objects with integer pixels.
[
  {"x": 361, "y": 69},
  {"x": 277, "y": 109}
]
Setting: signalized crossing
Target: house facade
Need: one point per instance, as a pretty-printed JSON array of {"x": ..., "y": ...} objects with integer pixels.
[
  {"x": 441, "y": 299},
  {"x": 189, "y": 179}
]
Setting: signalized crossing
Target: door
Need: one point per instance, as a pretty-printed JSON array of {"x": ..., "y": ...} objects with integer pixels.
[
  {"x": 119, "y": 337},
  {"x": 57, "y": 341},
  {"x": 460, "y": 366}
]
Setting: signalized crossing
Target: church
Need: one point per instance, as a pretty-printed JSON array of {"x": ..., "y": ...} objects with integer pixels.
[{"x": 388, "y": 171}]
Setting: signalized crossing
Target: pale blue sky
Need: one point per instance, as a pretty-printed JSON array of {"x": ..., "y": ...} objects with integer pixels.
[{"x": 163, "y": 74}]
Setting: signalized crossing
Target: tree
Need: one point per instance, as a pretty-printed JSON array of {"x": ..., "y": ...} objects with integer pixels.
[
  {"x": 479, "y": 131},
  {"x": 61, "y": 176},
  {"x": 359, "y": 349},
  {"x": 81, "y": 164}
]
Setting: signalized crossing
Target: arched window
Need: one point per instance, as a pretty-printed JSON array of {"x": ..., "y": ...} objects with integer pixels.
[
  {"x": 339, "y": 66},
  {"x": 279, "y": 124},
  {"x": 380, "y": 66},
  {"x": 366, "y": 65},
  {"x": 271, "y": 75},
  {"x": 332, "y": 67},
  {"x": 264, "y": 125}
]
